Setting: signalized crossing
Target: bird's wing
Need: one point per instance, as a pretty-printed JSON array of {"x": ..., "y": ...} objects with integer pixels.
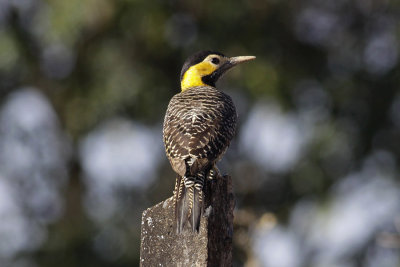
[{"x": 201, "y": 129}]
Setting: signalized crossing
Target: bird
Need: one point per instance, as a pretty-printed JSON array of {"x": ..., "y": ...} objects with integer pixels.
[{"x": 198, "y": 127}]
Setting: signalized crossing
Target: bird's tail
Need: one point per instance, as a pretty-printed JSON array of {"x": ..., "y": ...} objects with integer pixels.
[{"x": 188, "y": 196}]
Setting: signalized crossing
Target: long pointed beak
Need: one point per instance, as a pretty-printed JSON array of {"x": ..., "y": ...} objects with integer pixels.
[
  {"x": 236, "y": 60},
  {"x": 229, "y": 63}
]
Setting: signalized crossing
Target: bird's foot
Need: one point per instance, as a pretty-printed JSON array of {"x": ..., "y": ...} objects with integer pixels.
[{"x": 213, "y": 173}]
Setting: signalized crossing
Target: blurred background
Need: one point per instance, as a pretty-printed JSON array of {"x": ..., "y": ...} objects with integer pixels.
[{"x": 84, "y": 86}]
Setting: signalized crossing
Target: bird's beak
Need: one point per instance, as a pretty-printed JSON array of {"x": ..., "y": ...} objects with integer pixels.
[
  {"x": 231, "y": 62},
  {"x": 228, "y": 64},
  {"x": 236, "y": 60}
]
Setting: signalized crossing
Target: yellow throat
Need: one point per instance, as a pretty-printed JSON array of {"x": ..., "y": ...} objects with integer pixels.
[{"x": 193, "y": 76}]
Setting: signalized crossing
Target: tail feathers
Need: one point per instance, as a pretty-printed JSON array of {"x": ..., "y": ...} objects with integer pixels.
[
  {"x": 188, "y": 205},
  {"x": 179, "y": 197},
  {"x": 197, "y": 209}
]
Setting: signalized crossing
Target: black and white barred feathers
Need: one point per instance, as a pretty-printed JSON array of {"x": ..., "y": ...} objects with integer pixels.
[{"x": 199, "y": 124}]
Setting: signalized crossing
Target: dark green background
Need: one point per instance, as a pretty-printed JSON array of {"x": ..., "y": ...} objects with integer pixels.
[{"x": 321, "y": 102}]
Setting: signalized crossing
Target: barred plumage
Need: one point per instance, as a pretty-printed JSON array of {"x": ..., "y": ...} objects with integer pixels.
[
  {"x": 198, "y": 127},
  {"x": 199, "y": 124}
]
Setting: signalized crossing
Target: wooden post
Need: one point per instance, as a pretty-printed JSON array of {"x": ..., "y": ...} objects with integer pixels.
[{"x": 212, "y": 246}]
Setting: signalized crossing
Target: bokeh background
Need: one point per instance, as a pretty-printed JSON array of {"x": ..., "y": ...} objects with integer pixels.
[{"x": 83, "y": 90}]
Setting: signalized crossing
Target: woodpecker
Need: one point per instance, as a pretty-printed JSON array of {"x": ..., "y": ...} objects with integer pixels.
[{"x": 198, "y": 126}]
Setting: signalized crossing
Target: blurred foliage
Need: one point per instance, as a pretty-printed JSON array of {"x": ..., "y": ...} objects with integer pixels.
[{"x": 329, "y": 68}]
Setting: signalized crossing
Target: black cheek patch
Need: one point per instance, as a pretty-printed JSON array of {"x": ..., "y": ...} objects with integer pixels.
[{"x": 209, "y": 80}]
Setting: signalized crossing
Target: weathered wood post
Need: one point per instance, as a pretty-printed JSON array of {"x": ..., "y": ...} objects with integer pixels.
[{"x": 212, "y": 246}]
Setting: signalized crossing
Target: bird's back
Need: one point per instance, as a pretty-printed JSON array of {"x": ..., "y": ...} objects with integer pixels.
[{"x": 199, "y": 125}]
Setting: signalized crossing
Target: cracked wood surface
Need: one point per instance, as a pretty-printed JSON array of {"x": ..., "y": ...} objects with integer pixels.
[{"x": 212, "y": 246}]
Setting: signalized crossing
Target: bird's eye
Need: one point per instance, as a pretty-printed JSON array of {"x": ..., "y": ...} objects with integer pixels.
[{"x": 215, "y": 60}]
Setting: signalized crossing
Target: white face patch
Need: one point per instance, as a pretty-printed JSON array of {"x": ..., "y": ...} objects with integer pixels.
[{"x": 216, "y": 60}]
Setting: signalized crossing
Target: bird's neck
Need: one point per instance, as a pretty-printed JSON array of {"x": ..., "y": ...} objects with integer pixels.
[
  {"x": 191, "y": 79},
  {"x": 198, "y": 75}
]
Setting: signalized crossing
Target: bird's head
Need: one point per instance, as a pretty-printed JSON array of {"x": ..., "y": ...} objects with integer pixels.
[{"x": 206, "y": 67}]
